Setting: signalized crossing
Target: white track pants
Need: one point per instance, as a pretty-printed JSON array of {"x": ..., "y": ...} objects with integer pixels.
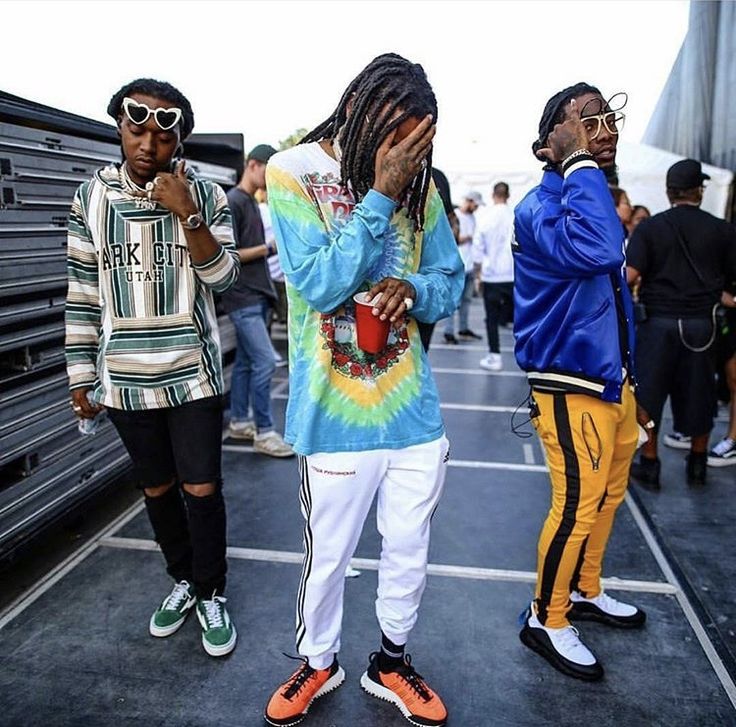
[{"x": 337, "y": 490}]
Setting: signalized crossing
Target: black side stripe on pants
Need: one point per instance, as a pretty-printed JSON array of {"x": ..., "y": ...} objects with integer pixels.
[
  {"x": 575, "y": 580},
  {"x": 572, "y": 498},
  {"x": 305, "y": 497}
]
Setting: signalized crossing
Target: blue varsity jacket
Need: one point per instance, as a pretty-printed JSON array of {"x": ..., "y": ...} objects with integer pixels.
[{"x": 573, "y": 317}]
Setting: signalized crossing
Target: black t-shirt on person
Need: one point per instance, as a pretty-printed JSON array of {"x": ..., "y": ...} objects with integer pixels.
[
  {"x": 670, "y": 287},
  {"x": 254, "y": 282}
]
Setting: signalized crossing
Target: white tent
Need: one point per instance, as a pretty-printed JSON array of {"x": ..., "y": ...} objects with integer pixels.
[{"x": 642, "y": 172}]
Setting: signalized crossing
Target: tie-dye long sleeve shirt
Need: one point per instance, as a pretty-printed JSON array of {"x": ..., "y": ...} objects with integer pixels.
[
  {"x": 341, "y": 398},
  {"x": 141, "y": 327}
]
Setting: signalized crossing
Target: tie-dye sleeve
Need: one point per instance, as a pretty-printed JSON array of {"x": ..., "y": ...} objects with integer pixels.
[
  {"x": 325, "y": 267},
  {"x": 440, "y": 279}
]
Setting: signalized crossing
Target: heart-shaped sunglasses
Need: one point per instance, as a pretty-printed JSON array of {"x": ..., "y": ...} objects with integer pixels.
[{"x": 139, "y": 113}]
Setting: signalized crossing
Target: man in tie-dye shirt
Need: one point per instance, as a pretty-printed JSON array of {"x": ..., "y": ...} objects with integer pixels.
[{"x": 354, "y": 209}]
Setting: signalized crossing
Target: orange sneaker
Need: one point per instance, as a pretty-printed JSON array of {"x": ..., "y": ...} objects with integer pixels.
[
  {"x": 407, "y": 690},
  {"x": 291, "y": 701}
]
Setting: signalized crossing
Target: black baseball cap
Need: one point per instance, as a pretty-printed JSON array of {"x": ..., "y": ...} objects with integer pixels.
[
  {"x": 261, "y": 153},
  {"x": 686, "y": 174}
]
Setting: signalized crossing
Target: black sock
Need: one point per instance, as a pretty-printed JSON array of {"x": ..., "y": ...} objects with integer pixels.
[{"x": 391, "y": 655}]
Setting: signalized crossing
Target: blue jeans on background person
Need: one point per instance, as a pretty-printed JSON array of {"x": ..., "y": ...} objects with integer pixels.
[
  {"x": 463, "y": 309},
  {"x": 254, "y": 367}
]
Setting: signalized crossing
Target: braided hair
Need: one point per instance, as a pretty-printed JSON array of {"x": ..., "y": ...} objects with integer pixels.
[
  {"x": 389, "y": 83},
  {"x": 157, "y": 89},
  {"x": 554, "y": 113}
]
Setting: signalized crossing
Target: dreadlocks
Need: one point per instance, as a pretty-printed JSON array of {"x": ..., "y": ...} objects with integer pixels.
[
  {"x": 387, "y": 85},
  {"x": 554, "y": 113}
]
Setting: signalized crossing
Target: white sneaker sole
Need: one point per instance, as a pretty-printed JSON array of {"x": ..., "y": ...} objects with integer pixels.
[
  {"x": 488, "y": 367},
  {"x": 376, "y": 690},
  {"x": 721, "y": 461},
  {"x": 164, "y": 631},
  {"x": 329, "y": 686},
  {"x": 268, "y": 453},
  {"x": 245, "y": 436},
  {"x": 223, "y": 649},
  {"x": 674, "y": 443}
]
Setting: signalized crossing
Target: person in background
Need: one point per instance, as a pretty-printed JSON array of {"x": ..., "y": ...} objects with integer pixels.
[
  {"x": 639, "y": 213},
  {"x": 682, "y": 259},
  {"x": 149, "y": 244},
  {"x": 466, "y": 221},
  {"x": 623, "y": 207},
  {"x": 280, "y": 308},
  {"x": 723, "y": 454},
  {"x": 573, "y": 320},
  {"x": 494, "y": 268},
  {"x": 443, "y": 189},
  {"x": 354, "y": 210},
  {"x": 248, "y": 305}
]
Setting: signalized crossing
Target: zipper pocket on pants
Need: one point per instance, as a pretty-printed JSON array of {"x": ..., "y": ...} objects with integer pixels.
[{"x": 592, "y": 440}]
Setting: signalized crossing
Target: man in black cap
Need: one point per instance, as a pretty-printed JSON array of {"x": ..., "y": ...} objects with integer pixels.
[
  {"x": 248, "y": 303},
  {"x": 683, "y": 258}
]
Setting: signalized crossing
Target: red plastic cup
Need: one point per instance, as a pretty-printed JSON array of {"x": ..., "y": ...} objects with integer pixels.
[{"x": 372, "y": 331}]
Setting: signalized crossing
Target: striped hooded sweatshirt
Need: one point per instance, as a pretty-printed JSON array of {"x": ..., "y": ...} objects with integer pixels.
[{"x": 141, "y": 328}]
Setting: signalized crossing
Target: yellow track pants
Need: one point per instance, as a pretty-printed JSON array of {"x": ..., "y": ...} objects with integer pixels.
[{"x": 589, "y": 445}]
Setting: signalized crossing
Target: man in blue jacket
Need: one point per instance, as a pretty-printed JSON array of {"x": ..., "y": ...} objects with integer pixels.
[{"x": 574, "y": 338}]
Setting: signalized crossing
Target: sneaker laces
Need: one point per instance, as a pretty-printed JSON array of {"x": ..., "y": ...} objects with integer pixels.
[
  {"x": 569, "y": 639},
  {"x": 177, "y": 597},
  {"x": 213, "y": 612},
  {"x": 412, "y": 677},
  {"x": 723, "y": 447},
  {"x": 295, "y": 683}
]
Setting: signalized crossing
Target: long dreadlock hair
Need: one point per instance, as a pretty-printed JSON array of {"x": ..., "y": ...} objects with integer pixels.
[{"x": 389, "y": 83}]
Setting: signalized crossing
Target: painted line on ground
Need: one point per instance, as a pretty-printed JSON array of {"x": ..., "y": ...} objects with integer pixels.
[
  {"x": 62, "y": 569},
  {"x": 460, "y": 463},
  {"x": 529, "y": 454},
  {"x": 484, "y": 465},
  {"x": 435, "y": 569},
  {"x": 695, "y": 623},
  {"x": 478, "y": 372},
  {"x": 466, "y": 347}
]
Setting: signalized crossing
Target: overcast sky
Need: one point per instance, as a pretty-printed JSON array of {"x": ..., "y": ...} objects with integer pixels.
[{"x": 267, "y": 68}]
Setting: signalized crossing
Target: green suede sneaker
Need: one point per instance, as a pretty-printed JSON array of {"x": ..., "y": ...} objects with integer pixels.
[
  {"x": 173, "y": 610},
  {"x": 218, "y": 632}
]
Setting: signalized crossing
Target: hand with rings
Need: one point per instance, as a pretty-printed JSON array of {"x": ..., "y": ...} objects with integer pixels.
[
  {"x": 398, "y": 162},
  {"x": 172, "y": 191},
  {"x": 82, "y": 406},
  {"x": 397, "y": 298}
]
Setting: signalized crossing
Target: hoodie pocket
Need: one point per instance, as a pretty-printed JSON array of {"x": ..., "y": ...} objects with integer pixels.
[
  {"x": 153, "y": 352},
  {"x": 592, "y": 440}
]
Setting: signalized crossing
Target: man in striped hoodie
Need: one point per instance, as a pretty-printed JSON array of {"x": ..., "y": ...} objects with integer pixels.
[{"x": 149, "y": 243}]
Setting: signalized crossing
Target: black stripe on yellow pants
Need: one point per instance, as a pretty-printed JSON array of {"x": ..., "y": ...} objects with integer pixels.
[
  {"x": 572, "y": 498},
  {"x": 589, "y": 444}
]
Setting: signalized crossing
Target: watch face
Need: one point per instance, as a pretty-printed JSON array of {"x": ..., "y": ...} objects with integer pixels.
[{"x": 193, "y": 221}]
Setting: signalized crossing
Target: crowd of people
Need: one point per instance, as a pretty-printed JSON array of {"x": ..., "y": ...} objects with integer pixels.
[{"x": 371, "y": 255}]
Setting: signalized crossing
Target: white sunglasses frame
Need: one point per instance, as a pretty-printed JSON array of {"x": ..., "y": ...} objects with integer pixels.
[{"x": 127, "y": 101}]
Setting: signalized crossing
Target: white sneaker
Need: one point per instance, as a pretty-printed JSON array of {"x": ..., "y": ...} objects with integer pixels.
[
  {"x": 560, "y": 647},
  {"x": 242, "y": 430},
  {"x": 272, "y": 444},
  {"x": 492, "y": 362},
  {"x": 605, "y": 609},
  {"x": 723, "y": 454},
  {"x": 677, "y": 440}
]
